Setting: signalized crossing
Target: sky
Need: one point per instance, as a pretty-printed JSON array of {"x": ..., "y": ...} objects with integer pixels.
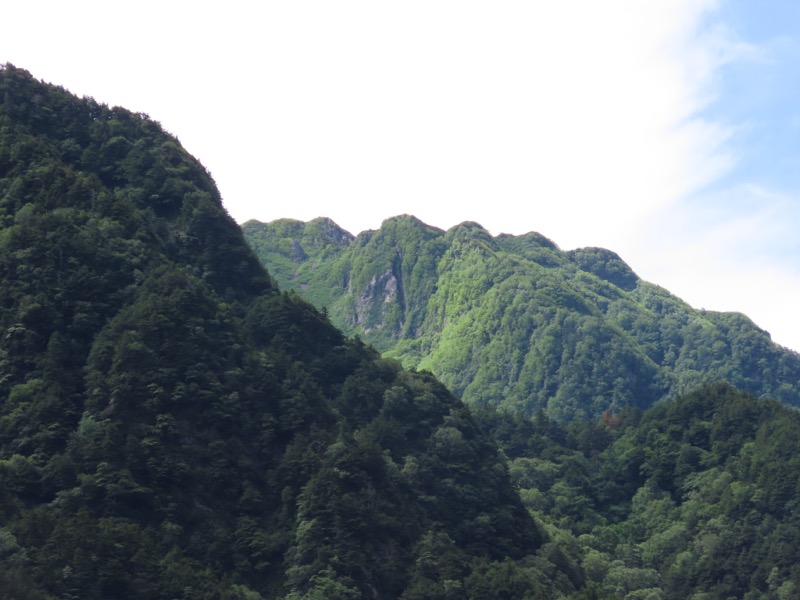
[{"x": 665, "y": 130}]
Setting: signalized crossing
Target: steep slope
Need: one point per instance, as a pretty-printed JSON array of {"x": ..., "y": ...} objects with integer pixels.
[
  {"x": 516, "y": 322},
  {"x": 172, "y": 426}
]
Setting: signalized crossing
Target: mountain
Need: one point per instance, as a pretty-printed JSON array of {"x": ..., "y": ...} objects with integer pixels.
[
  {"x": 174, "y": 426},
  {"x": 513, "y": 321}
]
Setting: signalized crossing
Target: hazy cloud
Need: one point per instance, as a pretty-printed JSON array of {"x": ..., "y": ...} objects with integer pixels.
[{"x": 592, "y": 122}]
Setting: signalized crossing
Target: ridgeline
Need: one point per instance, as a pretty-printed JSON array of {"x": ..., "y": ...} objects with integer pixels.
[{"x": 514, "y": 322}]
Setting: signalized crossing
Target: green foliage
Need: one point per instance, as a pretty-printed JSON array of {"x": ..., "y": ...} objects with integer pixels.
[
  {"x": 694, "y": 498},
  {"x": 172, "y": 426},
  {"x": 512, "y": 321}
]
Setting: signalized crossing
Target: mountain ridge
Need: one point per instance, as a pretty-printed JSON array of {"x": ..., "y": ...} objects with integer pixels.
[{"x": 516, "y": 322}]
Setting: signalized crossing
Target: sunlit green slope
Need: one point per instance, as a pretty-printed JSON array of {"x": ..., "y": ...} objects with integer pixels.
[{"x": 516, "y": 322}]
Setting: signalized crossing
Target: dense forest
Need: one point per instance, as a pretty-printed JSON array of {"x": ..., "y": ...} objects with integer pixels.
[
  {"x": 696, "y": 498},
  {"x": 513, "y": 321},
  {"x": 173, "y": 426},
  {"x": 175, "y": 422}
]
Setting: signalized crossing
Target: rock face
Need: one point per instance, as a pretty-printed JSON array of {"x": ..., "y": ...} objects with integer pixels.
[
  {"x": 514, "y": 321},
  {"x": 371, "y": 309}
]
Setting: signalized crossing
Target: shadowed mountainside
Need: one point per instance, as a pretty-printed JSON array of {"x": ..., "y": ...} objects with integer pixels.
[{"x": 172, "y": 426}]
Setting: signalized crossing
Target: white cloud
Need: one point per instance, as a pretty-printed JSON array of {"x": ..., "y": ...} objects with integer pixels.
[
  {"x": 732, "y": 250},
  {"x": 571, "y": 118},
  {"x": 584, "y": 120}
]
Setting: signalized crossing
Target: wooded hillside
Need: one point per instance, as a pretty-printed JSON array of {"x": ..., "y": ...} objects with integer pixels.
[{"x": 512, "y": 321}]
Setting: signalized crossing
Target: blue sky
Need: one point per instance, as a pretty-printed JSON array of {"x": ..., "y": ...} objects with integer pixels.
[
  {"x": 665, "y": 130},
  {"x": 741, "y": 226},
  {"x": 756, "y": 97}
]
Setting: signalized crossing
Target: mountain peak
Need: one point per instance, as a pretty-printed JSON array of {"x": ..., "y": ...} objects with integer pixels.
[
  {"x": 606, "y": 265},
  {"x": 532, "y": 239},
  {"x": 468, "y": 226},
  {"x": 514, "y": 321},
  {"x": 406, "y": 219}
]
